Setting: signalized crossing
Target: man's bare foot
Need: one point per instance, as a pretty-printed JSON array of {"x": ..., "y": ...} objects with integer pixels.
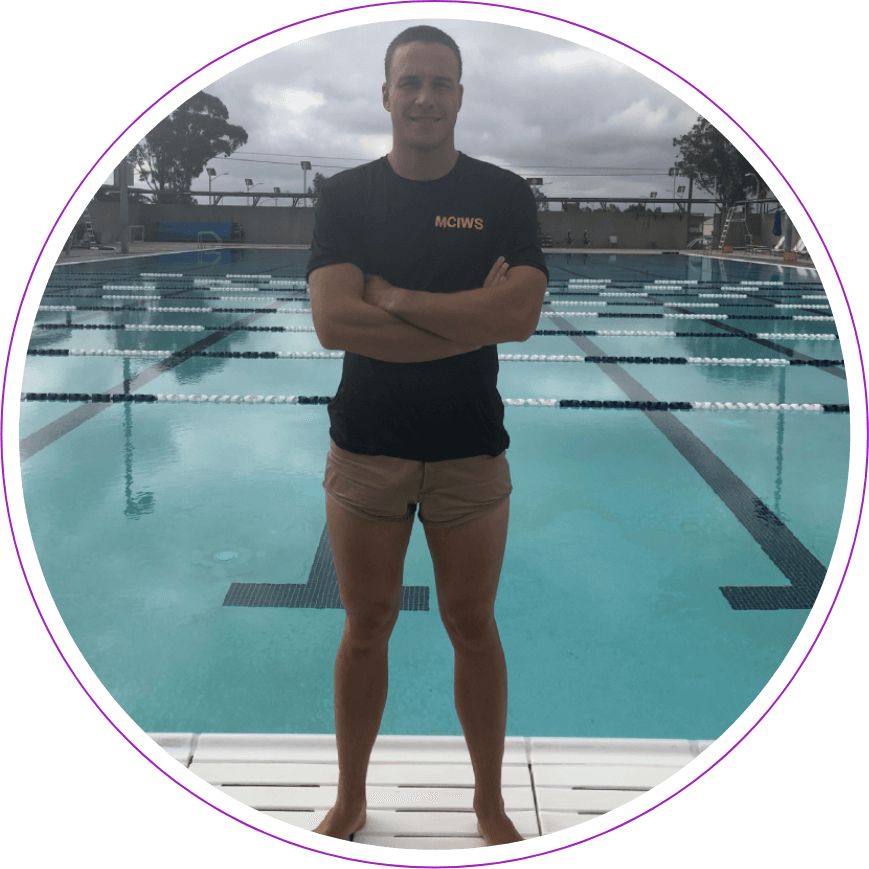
[
  {"x": 341, "y": 823},
  {"x": 497, "y": 829}
]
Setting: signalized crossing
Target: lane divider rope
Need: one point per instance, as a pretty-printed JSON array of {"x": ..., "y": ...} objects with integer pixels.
[
  {"x": 567, "y": 403},
  {"x": 586, "y": 314},
  {"x": 815, "y": 336},
  {"x": 146, "y": 398},
  {"x": 596, "y": 303},
  {"x": 502, "y": 357}
]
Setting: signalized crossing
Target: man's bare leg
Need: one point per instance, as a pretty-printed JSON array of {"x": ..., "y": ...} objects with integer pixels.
[
  {"x": 481, "y": 703},
  {"x": 467, "y": 564},
  {"x": 360, "y": 697},
  {"x": 369, "y": 563}
]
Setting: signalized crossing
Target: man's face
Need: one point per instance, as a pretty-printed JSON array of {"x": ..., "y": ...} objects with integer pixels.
[{"x": 423, "y": 95}]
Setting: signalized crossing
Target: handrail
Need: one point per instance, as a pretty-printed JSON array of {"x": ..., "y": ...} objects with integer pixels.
[{"x": 206, "y": 235}]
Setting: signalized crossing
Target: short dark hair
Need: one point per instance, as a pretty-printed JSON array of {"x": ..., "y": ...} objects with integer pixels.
[{"x": 426, "y": 34}]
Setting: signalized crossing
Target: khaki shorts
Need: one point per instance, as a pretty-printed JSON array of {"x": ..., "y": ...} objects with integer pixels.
[{"x": 387, "y": 489}]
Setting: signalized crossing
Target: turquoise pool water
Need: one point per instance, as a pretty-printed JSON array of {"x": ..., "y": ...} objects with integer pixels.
[{"x": 625, "y": 525}]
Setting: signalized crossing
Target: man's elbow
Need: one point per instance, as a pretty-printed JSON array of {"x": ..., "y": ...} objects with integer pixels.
[
  {"x": 321, "y": 337},
  {"x": 327, "y": 334},
  {"x": 506, "y": 329},
  {"x": 525, "y": 327}
]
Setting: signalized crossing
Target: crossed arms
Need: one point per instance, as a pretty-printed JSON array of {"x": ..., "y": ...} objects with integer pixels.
[{"x": 364, "y": 314}]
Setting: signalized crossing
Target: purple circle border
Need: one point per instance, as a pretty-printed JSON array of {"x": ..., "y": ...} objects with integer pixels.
[{"x": 328, "y": 15}]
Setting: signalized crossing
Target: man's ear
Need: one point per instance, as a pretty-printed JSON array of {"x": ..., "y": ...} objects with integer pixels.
[{"x": 384, "y": 89}]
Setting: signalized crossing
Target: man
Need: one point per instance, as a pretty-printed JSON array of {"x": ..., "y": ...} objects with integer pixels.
[{"x": 421, "y": 263}]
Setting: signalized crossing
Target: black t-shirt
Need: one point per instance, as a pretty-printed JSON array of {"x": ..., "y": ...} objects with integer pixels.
[{"x": 437, "y": 236}]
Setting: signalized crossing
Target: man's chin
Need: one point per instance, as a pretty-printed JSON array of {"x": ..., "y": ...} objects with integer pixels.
[{"x": 427, "y": 146}]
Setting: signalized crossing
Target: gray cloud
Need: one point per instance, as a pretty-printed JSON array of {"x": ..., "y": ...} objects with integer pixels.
[{"x": 531, "y": 101}]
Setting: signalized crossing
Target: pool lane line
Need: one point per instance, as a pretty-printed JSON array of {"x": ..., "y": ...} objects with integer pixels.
[
  {"x": 56, "y": 429},
  {"x": 764, "y": 342},
  {"x": 48, "y": 434},
  {"x": 804, "y": 571}
]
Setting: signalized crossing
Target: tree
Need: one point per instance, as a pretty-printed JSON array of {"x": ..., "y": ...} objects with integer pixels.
[
  {"x": 540, "y": 196},
  {"x": 177, "y": 149},
  {"x": 715, "y": 163},
  {"x": 316, "y": 187}
]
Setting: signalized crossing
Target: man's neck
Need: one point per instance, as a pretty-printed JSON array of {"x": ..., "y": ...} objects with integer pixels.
[{"x": 422, "y": 165}]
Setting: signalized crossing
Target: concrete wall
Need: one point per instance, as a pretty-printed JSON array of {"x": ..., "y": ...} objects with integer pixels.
[
  {"x": 632, "y": 229},
  {"x": 262, "y": 224},
  {"x": 267, "y": 224}
]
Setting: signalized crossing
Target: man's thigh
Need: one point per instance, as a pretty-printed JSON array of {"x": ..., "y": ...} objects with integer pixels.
[
  {"x": 467, "y": 564},
  {"x": 369, "y": 561}
]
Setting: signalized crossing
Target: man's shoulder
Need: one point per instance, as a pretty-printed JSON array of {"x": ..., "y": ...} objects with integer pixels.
[
  {"x": 491, "y": 172},
  {"x": 356, "y": 178}
]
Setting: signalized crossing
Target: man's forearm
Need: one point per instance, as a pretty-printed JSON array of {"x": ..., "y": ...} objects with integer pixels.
[
  {"x": 370, "y": 331},
  {"x": 473, "y": 315}
]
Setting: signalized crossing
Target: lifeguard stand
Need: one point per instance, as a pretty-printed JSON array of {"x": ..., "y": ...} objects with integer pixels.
[
  {"x": 737, "y": 213},
  {"x": 89, "y": 238}
]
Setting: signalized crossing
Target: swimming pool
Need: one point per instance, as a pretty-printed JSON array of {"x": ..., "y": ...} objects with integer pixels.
[{"x": 647, "y": 543}]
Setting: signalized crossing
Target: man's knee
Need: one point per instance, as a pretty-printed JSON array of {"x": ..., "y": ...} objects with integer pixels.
[
  {"x": 371, "y": 623},
  {"x": 470, "y": 628}
]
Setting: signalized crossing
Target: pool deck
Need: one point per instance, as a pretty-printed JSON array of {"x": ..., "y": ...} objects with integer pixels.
[
  {"x": 147, "y": 248},
  {"x": 420, "y": 788}
]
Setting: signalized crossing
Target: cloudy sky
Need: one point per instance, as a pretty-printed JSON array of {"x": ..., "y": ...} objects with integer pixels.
[{"x": 533, "y": 103}]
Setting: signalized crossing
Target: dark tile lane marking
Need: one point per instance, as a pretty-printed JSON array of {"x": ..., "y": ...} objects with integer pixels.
[{"x": 804, "y": 572}]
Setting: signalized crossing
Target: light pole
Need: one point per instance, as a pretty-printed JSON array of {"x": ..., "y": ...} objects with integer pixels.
[
  {"x": 653, "y": 195},
  {"x": 536, "y": 187},
  {"x": 756, "y": 196},
  {"x": 306, "y": 165},
  {"x": 757, "y": 184},
  {"x": 212, "y": 174},
  {"x": 674, "y": 172},
  {"x": 276, "y": 190},
  {"x": 249, "y": 183},
  {"x": 124, "y": 174}
]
